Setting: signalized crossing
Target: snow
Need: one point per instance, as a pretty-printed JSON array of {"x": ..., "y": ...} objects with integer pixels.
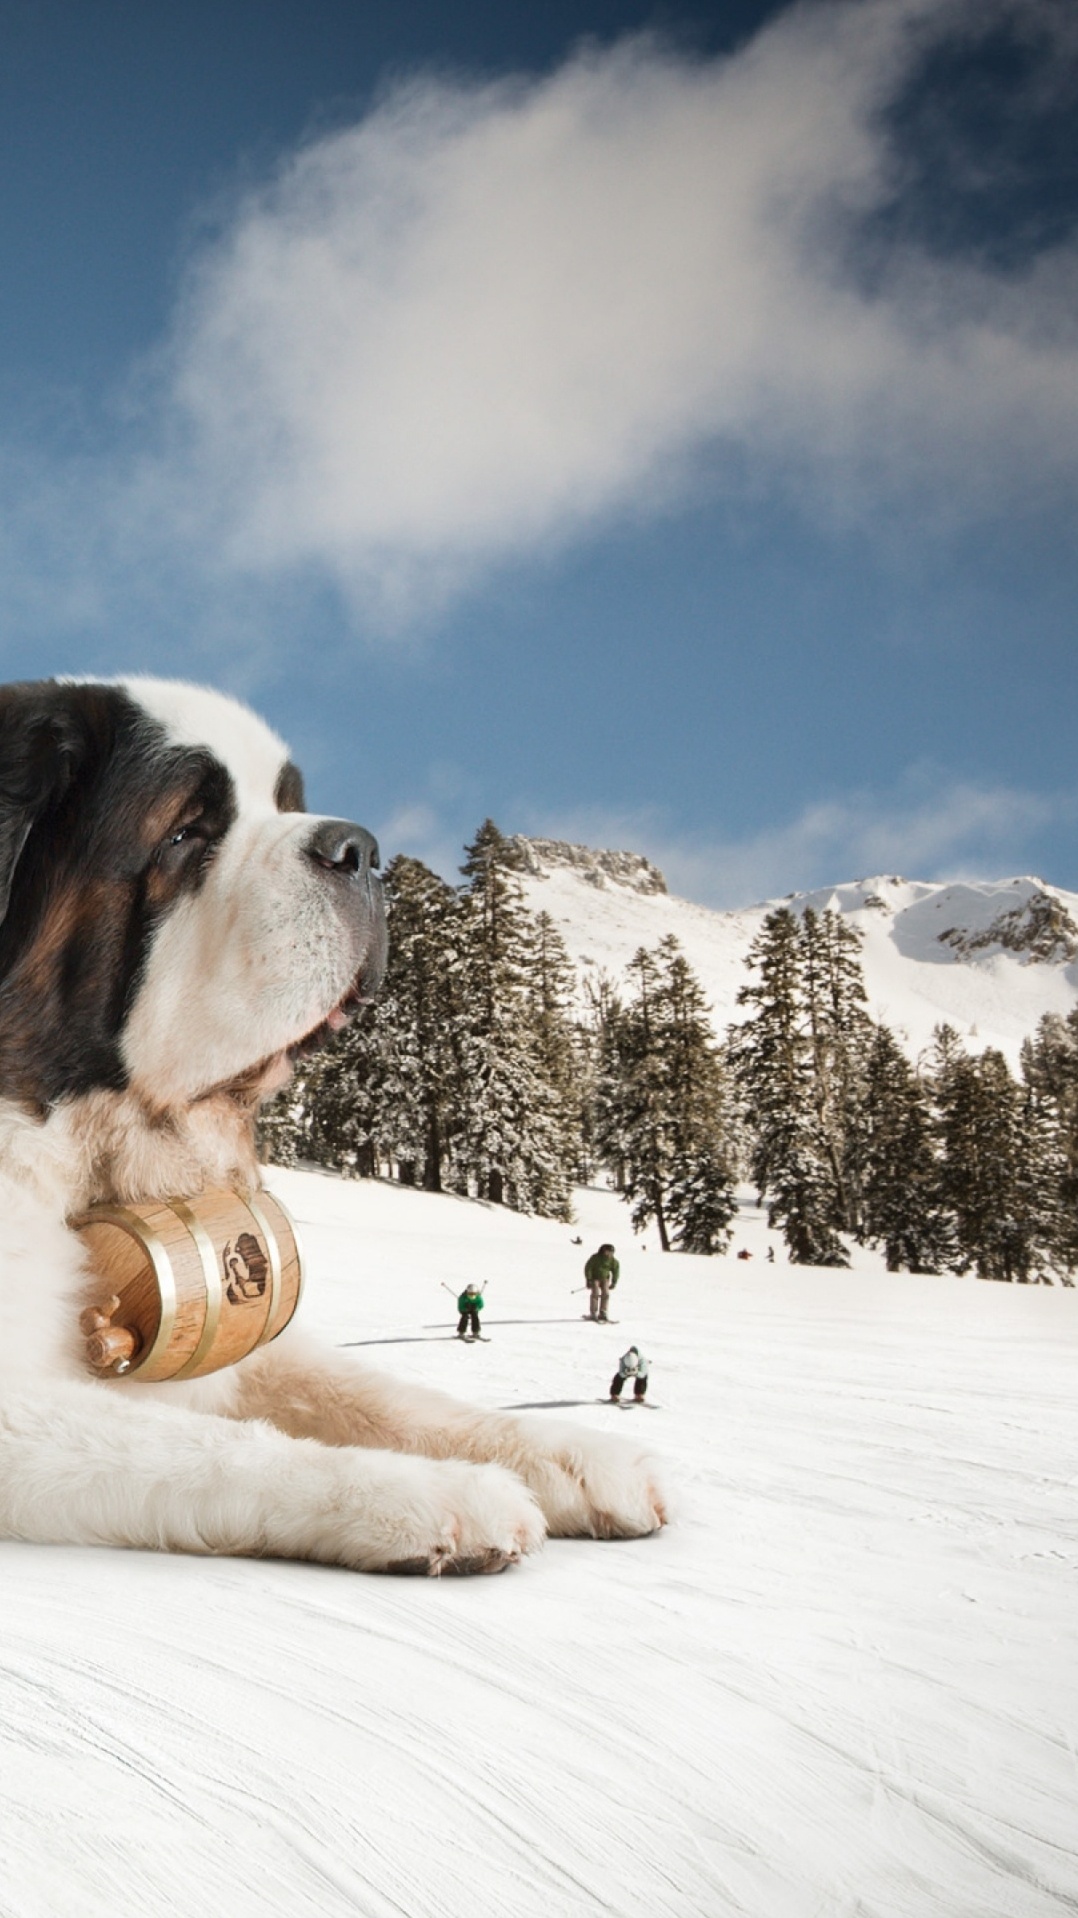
[
  {"x": 992, "y": 995},
  {"x": 843, "y": 1683}
]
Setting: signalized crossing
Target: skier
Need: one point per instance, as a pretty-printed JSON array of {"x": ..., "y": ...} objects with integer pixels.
[
  {"x": 631, "y": 1365},
  {"x": 469, "y": 1305},
  {"x": 602, "y": 1273}
]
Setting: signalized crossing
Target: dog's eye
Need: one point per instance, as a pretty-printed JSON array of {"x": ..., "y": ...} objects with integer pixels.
[{"x": 182, "y": 836}]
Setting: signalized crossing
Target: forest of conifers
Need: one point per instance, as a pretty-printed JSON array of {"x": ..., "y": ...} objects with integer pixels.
[{"x": 479, "y": 1072}]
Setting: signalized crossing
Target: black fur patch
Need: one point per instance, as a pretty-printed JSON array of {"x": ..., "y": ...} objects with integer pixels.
[{"x": 103, "y": 825}]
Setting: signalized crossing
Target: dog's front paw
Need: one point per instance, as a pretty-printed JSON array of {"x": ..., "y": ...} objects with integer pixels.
[
  {"x": 592, "y": 1486},
  {"x": 429, "y": 1517}
]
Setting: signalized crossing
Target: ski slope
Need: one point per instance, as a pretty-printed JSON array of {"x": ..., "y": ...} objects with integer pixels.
[
  {"x": 977, "y": 954},
  {"x": 844, "y": 1683}
]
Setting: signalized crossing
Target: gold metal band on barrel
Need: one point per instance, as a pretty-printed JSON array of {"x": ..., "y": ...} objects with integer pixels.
[
  {"x": 162, "y": 1266},
  {"x": 276, "y": 1274},
  {"x": 214, "y": 1287}
]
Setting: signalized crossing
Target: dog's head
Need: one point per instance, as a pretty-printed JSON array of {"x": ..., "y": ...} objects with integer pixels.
[{"x": 171, "y": 920}]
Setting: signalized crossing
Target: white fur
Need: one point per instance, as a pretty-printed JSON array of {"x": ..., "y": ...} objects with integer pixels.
[
  {"x": 258, "y": 956},
  {"x": 298, "y": 1451},
  {"x": 241, "y": 969}
]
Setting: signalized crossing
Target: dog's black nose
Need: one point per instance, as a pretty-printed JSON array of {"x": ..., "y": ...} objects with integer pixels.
[{"x": 338, "y": 845}]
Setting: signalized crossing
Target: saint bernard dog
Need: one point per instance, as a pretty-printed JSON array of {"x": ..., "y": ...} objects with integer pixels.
[{"x": 174, "y": 929}]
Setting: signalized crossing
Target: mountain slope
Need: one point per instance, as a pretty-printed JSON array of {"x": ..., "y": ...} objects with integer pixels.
[{"x": 990, "y": 957}]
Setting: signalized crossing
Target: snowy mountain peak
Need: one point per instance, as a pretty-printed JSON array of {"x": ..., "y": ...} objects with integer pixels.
[
  {"x": 1038, "y": 927},
  {"x": 989, "y": 957},
  {"x": 628, "y": 869},
  {"x": 879, "y": 893}
]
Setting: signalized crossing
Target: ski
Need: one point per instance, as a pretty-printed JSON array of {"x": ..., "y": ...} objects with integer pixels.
[
  {"x": 649, "y": 1405},
  {"x": 587, "y": 1317},
  {"x": 470, "y": 1338}
]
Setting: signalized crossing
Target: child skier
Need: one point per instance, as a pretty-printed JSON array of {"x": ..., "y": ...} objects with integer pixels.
[
  {"x": 631, "y": 1365},
  {"x": 469, "y": 1305}
]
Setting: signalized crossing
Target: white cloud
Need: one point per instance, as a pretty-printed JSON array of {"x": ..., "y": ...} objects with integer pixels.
[
  {"x": 929, "y": 828},
  {"x": 489, "y": 316}
]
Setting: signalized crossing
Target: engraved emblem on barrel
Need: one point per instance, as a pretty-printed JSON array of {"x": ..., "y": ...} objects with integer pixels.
[{"x": 246, "y": 1270}]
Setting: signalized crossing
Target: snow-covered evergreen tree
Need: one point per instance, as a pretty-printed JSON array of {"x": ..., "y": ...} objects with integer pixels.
[
  {"x": 901, "y": 1170},
  {"x": 774, "y": 1055},
  {"x": 511, "y": 1144},
  {"x": 638, "y": 1134},
  {"x": 1050, "y": 1077},
  {"x": 841, "y": 1032},
  {"x": 562, "y": 1045},
  {"x": 662, "y": 1122},
  {"x": 417, "y": 1067},
  {"x": 702, "y": 1201},
  {"x": 984, "y": 1180},
  {"x": 284, "y": 1126}
]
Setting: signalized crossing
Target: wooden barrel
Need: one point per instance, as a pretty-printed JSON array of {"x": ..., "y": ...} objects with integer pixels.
[{"x": 188, "y": 1285}]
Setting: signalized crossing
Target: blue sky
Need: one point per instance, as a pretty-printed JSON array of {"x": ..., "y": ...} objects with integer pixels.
[{"x": 650, "y": 427}]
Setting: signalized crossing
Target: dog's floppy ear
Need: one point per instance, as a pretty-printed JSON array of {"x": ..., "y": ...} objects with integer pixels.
[{"x": 40, "y": 747}]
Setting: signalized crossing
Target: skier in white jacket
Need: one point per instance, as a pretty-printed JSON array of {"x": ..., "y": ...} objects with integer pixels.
[{"x": 631, "y": 1365}]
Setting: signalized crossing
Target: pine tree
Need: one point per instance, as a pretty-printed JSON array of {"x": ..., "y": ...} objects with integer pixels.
[
  {"x": 511, "y": 1143},
  {"x": 775, "y": 1060},
  {"x": 283, "y": 1130},
  {"x": 418, "y": 1072},
  {"x": 637, "y": 1134},
  {"x": 661, "y": 1116},
  {"x": 701, "y": 1201},
  {"x": 603, "y": 1122},
  {"x": 343, "y": 1096},
  {"x": 902, "y": 1195},
  {"x": 1050, "y": 1077},
  {"x": 560, "y": 1043},
  {"x": 982, "y": 1122},
  {"x": 841, "y": 1033}
]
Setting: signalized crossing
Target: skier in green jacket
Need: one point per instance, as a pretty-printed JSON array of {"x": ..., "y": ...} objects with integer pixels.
[
  {"x": 469, "y": 1305},
  {"x": 602, "y": 1273}
]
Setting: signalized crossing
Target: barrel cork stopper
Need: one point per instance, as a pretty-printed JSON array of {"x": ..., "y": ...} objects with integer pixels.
[{"x": 109, "y": 1348}]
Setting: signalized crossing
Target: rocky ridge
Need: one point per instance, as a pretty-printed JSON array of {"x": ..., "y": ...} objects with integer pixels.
[
  {"x": 597, "y": 868},
  {"x": 1040, "y": 931}
]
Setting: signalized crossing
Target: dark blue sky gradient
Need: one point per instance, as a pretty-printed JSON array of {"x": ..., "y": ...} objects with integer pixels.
[{"x": 717, "y": 670}]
